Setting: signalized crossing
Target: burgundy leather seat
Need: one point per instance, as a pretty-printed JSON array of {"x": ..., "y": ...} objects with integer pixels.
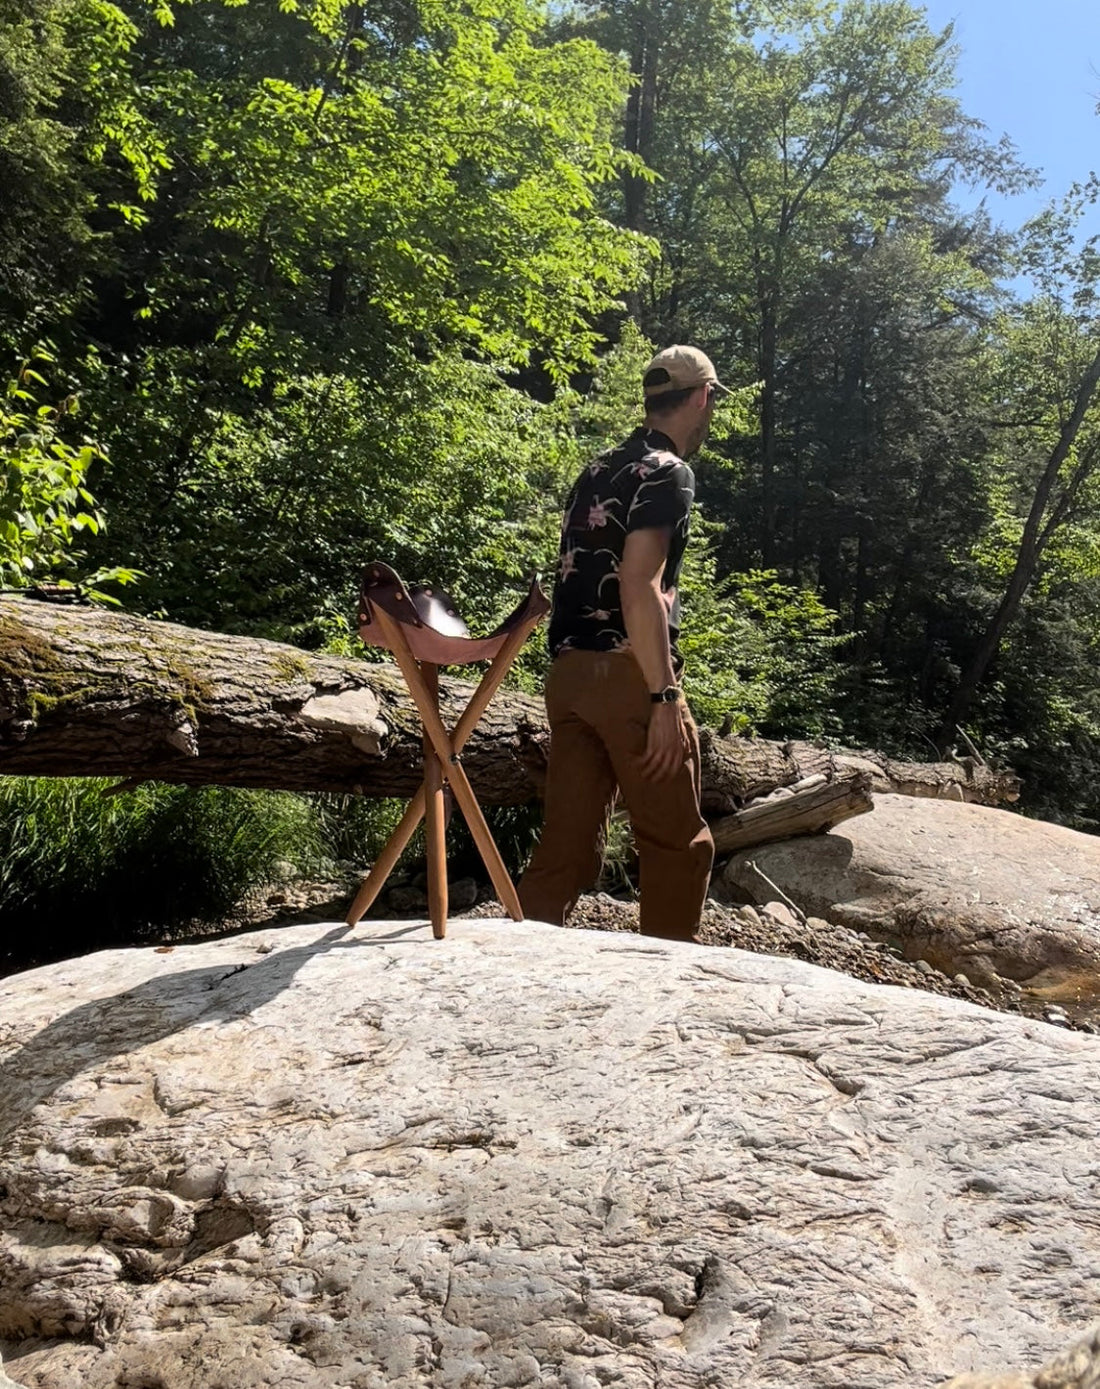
[{"x": 432, "y": 627}]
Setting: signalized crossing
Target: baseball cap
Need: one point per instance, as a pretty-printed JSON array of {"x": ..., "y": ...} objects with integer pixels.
[{"x": 679, "y": 368}]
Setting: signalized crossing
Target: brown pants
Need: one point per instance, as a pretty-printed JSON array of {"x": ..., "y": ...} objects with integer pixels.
[{"x": 599, "y": 709}]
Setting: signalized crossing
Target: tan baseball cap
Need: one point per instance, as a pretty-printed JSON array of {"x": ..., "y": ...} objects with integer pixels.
[{"x": 679, "y": 369}]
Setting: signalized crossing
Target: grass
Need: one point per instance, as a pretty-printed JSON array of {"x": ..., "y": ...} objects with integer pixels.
[{"x": 82, "y": 870}]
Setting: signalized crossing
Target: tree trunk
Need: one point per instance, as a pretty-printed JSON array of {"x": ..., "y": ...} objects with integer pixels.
[
  {"x": 88, "y": 692},
  {"x": 641, "y": 117},
  {"x": 768, "y": 426},
  {"x": 1032, "y": 543}
]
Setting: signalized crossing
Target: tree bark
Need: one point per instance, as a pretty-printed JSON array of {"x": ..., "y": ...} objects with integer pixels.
[{"x": 88, "y": 692}]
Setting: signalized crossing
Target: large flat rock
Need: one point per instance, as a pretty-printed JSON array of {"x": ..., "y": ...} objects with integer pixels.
[
  {"x": 526, "y": 1156},
  {"x": 967, "y": 887}
]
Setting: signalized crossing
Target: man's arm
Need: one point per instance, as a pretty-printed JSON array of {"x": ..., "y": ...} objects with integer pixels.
[{"x": 645, "y": 616}]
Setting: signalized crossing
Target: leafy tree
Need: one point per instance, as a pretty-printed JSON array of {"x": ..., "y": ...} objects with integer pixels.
[
  {"x": 790, "y": 141},
  {"x": 340, "y": 210},
  {"x": 45, "y": 506},
  {"x": 1045, "y": 378},
  {"x": 818, "y": 148},
  {"x": 885, "y": 483},
  {"x": 76, "y": 155}
]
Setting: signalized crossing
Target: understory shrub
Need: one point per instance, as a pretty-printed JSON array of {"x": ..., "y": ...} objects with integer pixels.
[{"x": 80, "y": 869}]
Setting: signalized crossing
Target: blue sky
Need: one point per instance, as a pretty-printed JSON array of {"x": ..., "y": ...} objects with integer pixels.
[{"x": 1030, "y": 69}]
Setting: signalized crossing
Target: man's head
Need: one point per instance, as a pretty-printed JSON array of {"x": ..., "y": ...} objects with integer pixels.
[{"x": 681, "y": 388}]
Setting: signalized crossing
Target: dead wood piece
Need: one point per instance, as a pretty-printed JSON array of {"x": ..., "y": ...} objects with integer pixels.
[
  {"x": 963, "y": 780},
  {"x": 819, "y": 805},
  {"x": 736, "y": 770},
  {"x": 777, "y": 892}
]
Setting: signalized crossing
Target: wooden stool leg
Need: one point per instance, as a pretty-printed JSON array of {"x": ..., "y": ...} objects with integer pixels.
[
  {"x": 452, "y": 769},
  {"x": 490, "y": 854},
  {"x": 383, "y": 866},
  {"x": 435, "y": 829}
]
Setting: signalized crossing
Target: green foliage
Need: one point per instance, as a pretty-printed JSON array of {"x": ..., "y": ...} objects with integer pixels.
[
  {"x": 619, "y": 856},
  {"x": 1035, "y": 358},
  {"x": 317, "y": 245},
  {"x": 341, "y": 284},
  {"x": 81, "y": 869},
  {"x": 1039, "y": 710},
  {"x": 760, "y": 655},
  {"x": 352, "y": 829},
  {"x": 45, "y": 507}
]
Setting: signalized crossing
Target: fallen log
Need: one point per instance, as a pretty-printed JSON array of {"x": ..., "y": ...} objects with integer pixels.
[
  {"x": 87, "y": 692},
  {"x": 810, "y": 806},
  {"x": 90, "y": 692}
]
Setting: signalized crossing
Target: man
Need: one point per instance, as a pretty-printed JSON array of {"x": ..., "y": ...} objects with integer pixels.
[{"x": 617, "y": 715}]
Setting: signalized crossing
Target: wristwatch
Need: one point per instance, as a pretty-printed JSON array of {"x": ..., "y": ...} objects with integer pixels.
[{"x": 669, "y": 695}]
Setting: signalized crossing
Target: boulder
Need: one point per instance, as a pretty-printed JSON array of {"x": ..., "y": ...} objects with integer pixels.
[
  {"x": 969, "y": 888},
  {"x": 525, "y": 1156}
]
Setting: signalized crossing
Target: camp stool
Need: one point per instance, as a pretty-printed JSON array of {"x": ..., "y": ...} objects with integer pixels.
[{"x": 420, "y": 626}]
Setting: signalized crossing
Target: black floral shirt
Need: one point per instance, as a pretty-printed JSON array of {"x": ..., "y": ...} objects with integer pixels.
[{"x": 642, "y": 484}]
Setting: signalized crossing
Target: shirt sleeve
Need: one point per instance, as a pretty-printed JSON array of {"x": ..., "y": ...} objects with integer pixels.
[{"x": 663, "y": 499}]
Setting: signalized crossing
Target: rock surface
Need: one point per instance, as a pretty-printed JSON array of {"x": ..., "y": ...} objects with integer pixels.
[
  {"x": 968, "y": 887},
  {"x": 1077, "y": 1368},
  {"x": 527, "y": 1156}
]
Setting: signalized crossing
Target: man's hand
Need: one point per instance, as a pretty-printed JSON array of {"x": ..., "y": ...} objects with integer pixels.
[{"x": 666, "y": 741}]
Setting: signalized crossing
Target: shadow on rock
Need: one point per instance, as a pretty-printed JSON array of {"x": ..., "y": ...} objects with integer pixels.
[{"x": 121, "y": 1023}]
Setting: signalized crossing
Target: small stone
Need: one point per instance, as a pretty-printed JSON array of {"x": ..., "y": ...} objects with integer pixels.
[
  {"x": 923, "y": 967},
  {"x": 462, "y": 893},
  {"x": 780, "y": 913},
  {"x": 962, "y": 981},
  {"x": 407, "y": 899}
]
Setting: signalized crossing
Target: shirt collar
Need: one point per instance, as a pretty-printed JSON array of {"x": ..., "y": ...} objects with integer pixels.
[{"x": 655, "y": 439}]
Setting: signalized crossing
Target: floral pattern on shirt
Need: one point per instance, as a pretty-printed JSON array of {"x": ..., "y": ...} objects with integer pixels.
[{"x": 638, "y": 485}]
